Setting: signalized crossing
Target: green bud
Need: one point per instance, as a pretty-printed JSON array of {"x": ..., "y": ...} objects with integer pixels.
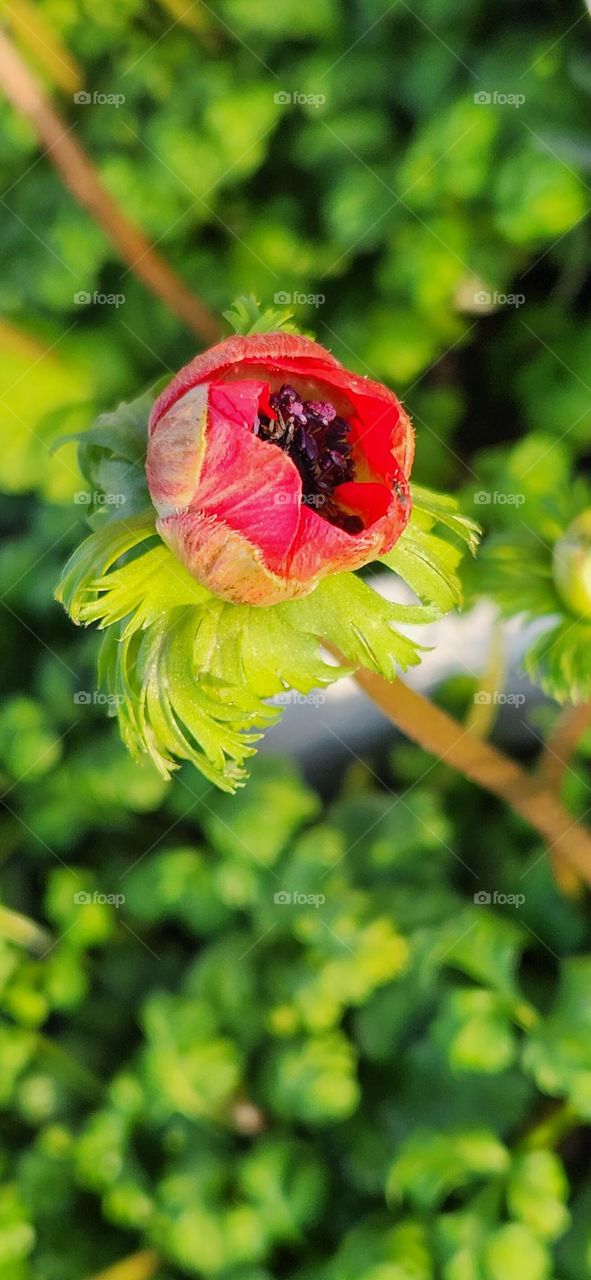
[{"x": 571, "y": 566}]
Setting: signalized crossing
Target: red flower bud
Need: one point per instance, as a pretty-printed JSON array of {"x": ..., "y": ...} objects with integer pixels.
[{"x": 270, "y": 466}]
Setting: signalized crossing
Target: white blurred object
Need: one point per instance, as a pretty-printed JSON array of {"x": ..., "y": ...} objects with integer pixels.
[{"x": 341, "y": 718}]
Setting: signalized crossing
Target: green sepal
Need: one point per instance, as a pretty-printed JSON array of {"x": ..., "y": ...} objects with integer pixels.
[
  {"x": 246, "y": 316},
  {"x": 428, "y": 561},
  {"x": 111, "y": 457},
  {"x": 357, "y": 622},
  {"x": 443, "y": 508},
  {"x": 189, "y": 674},
  {"x": 94, "y": 557},
  {"x": 559, "y": 660},
  {"x": 517, "y": 572}
]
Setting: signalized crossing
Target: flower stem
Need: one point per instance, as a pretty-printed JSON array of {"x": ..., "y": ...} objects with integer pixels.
[
  {"x": 26, "y": 93},
  {"x": 554, "y": 762},
  {"x": 438, "y": 733},
  {"x": 80, "y": 1077},
  {"x": 562, "y": 743},
  {"x": 558, "y": 1121},
  {"x": 25, "y": 932}
]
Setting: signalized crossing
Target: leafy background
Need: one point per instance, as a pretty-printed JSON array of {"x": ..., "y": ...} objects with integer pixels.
[{"x": 393, "y": 1084}]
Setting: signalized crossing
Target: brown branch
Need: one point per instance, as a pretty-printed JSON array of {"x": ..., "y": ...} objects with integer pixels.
[
  {"x": 25, "y": 93},
  {"x": 562, "y": 743},
  {"x": 557, "y": 752},
  {"x": 32, "y": 29},
  {"x": 441, "y": 735}
]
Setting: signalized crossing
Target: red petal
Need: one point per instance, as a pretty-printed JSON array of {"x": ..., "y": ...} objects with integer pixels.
[
  {"x": 320, "y": 547},
  {"x": 370, "y": 501},
  {"x": 236, "y": 402},
  {"x": 248, "y": 483},
  {"x": 259, "y": 348},
  {"x": 379, "y": 424}
]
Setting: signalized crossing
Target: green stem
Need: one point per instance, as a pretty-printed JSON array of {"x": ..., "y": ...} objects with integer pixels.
[
  {"x": 138, "y": 1266},
  {"x": 25, "y": 932},
  {"x": 86, "y": 1081},
  {"x": 552, "y": 1129}
]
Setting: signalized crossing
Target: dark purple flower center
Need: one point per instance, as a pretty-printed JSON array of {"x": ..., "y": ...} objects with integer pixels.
[{"x": 317, "y": 441}]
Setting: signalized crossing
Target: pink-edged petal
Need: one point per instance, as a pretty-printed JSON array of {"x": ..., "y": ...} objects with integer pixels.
[
  {"x": 175, "y": 453},
  {"x": 225, "y": 562},
  {"x": 249, "y": 484},
  {"x": 202, "y": 454}
]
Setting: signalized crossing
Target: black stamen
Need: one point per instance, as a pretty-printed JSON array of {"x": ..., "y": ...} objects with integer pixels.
[{"x": 317, "y": 441}]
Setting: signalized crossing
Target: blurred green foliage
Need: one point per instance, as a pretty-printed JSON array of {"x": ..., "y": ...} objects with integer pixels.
[
  {"x": 409, "y": 174},
  {"x": 270, "y": 1035},
  {"x": 266, "y": 1035},
  {"x": 379, "y": 1078}
]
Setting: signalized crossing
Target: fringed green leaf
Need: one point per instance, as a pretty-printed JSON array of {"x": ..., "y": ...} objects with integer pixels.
[
  {"x": 246, "y": 316},
  {"x": 559, "y": 660},
  {"x": 443, "y": 508},
  {"x": 358, "y": 623},
  {"x": 174, "y": 712},
  {"x": 428, "y": 561},
  {"x": 91, "y": 560},
  {"x": 190, "y": 676}
]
